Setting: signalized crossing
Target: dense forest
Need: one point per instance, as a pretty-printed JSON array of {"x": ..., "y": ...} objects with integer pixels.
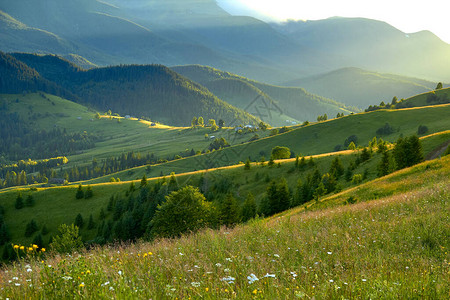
[
  {"x": 151, "y": 91},
  {"x": 17, "y": 77}
]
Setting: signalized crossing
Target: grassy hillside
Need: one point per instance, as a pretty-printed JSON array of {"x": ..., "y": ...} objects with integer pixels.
[
  {"x": 240, "y": 91},
  {"x": 317, "y": 138},
  {"x": 430, "y": 98},
  {"x": 361, "y": 88},
  {"x": 45, "y": 112},
  {"x": 395, "y": 246},
  {"x": 157, "y": 92},
  {"x": 57, "y": 205}
]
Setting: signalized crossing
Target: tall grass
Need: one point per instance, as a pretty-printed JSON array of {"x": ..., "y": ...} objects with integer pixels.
[{"x": 393, "y": 247}]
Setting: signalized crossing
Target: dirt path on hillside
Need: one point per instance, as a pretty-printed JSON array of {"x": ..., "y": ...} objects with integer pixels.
[{"x": 438, "y": 151}]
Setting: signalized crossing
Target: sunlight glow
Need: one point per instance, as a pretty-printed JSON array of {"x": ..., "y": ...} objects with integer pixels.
[{"x": 406, "y": 15}]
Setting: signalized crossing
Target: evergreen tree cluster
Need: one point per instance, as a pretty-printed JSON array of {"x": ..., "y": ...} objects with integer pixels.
[
  {"x": 20, "y": 140},
  {"x": 5, "y": 236}
]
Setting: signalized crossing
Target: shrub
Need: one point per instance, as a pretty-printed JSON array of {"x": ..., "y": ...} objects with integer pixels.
[
  {"x": 281, "y": 152},
  {"x": 422, "y": 129},
  {"x": 357, "y": 178},
  {"x": 184, "y": 211},
  {"x": 67, "y": 240},
  {"x": 353, "y": 138},
  {"x": 351, "y": 200},
  {"x": 385, "y": 130}
]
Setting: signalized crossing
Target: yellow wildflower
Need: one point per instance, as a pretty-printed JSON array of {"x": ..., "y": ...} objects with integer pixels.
[
  {"x": 88, "y": 272},
  {"x": 16, "y": 247},
  {"x": 43, "y": 249},
  {"x": 35, "y": 246},
  {"x": 206, "y": 289},
  {"x": 150, "y": 253},
  {"x": 255, "y": 291},
  {"x": 22, "y": 248},
  {"x": 82, "y": 284},
  {"x": 30, "y": 248}
]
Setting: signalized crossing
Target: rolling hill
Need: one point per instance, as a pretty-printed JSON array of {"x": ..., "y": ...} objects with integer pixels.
[
  {"x": 320, "y": 138},
  {"x": 390, "y": 215},
  {"x": 157, "y": 92},
  {"x": 361, "y": 88},
  {"x": 295, "y": 103}
]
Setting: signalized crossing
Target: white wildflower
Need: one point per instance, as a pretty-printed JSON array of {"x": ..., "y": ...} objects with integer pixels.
[
  {"x": 229, "y": 279},
  {"x": 252, "y": 278},
  {"x": 195, "y": 284},
  {"x": 269, "y": 275}
]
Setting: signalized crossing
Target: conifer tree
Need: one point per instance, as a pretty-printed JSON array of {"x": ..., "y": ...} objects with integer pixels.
[
  {"x": 229, "y": 211},
  {"x": 298, "y": 196},
  {"x": 144, "y": 181},
  {"x": 271, "y": 162},
  {"x": 319, "y": 191},
  {"x": 31, "y": 228},
  {"x": 91, "y": 223},
  {"x": 80, "y": 192},
  {"x": 247, "y": 164},
  {"x": 79, "y": 221},
  {"x": 336, "y": 168},
  {"x": 19, "y": 201},
  {"x": 249, "y": 208},
  {"x": 30, "y": 200},
  {"x": 4, "y": 234},
  {"x": 89, "y": 193},
  {"x": 384, "y": 165}
]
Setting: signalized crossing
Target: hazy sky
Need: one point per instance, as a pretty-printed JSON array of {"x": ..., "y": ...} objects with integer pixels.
[{"x": 407, "y": 15}]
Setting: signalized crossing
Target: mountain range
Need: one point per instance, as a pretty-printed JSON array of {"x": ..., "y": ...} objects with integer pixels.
[{"x": 180, "y": 32}]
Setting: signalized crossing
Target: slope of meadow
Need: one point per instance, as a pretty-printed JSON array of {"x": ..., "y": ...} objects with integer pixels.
[
  {"x": 44, "y": 112},
  {"x": 392, "y": 247},
  {"x": 58, "y": 205},
  {"x": 314, "y": 139}
]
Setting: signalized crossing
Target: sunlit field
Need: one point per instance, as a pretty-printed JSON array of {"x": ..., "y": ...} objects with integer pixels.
[{"x": 393, "y": 247}]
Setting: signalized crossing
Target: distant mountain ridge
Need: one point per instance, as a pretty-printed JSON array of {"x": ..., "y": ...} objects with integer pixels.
[
  {"x": 294, "y": 102},
  {"x": 180, "y": 32},
  {"x": 361, "y": 88}
]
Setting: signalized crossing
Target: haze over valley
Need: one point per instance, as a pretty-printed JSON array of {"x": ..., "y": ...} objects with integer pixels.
[{"x": 223, "y": 149}]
